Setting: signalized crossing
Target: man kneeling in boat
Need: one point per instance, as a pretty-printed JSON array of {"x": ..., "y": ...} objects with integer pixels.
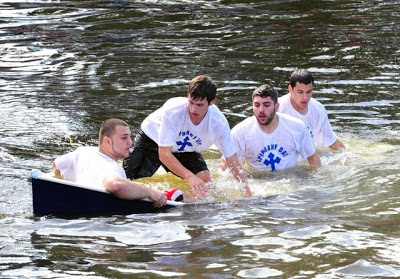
[{"x": 99, "y": 167}]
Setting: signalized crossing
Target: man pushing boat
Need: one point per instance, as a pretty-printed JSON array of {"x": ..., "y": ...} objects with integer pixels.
[{"x": 174, "y": 135}]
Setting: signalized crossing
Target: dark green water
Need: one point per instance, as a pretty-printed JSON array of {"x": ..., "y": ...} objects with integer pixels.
[{"x": 67, "y": 65}]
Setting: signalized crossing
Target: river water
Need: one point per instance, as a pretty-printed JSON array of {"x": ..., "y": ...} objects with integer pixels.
[{"x": 67, "y": 65}]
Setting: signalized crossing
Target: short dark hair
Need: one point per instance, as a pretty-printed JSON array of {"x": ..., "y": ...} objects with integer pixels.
[
  {"x": 266, "y": 91},
  {"x": 302, "y": 76},
  {"x": 108, "y": 127},
  {"x": 202, "y": 87}
]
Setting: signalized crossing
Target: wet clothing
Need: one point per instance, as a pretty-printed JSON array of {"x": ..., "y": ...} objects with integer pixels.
[
  {"x": 143, "y": 160},
  {"x": 88, "y": 166},
  {"x": 316, "y": 119},
  {"x": 170, "y": 126},
  {"x": 277, "y": 150}
]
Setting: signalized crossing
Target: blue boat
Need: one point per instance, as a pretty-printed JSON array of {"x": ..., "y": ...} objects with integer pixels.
[{"x": 61, "y": 198}]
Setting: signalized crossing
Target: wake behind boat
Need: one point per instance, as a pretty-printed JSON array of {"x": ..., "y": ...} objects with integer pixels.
[{"x": 62, "y": 198}]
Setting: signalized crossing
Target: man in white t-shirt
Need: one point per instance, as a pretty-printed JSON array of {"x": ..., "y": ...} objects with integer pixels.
[
  {"x": 270, "y": 141},
  {"x": 174, "y": 135},
  {"x": 299, "y": 103},
  {"x": 99, "y": 167}
]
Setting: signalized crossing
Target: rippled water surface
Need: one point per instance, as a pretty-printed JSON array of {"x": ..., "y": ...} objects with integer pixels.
[{"x": 67, "y": 65}]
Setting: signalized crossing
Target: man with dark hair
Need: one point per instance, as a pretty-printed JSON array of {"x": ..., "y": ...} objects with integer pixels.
[
  {"x": 174, "y": 135},
  {"x": 270, "y": 141},
  {"x": 99, "y": 167},
  {"x": 299, "y": 103}
]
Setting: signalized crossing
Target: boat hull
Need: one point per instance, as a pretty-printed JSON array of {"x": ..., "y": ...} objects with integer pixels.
[{"x": 62, "y": 199}]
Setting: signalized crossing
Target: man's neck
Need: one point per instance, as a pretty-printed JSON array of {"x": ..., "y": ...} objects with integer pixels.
[
  {"x": 107, "y": 153},
  {"x": 268, "y": 129},
  {"x": 197, "y": 121}
]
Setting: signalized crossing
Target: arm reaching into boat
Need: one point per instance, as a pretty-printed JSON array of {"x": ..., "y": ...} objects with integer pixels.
[{"x": 125, "y": 189}]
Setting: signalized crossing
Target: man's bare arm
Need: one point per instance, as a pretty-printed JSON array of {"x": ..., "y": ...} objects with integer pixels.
[
  {"x": 314, "y": 161},
  {"x": 197, "y": 185},
  {"x": 337, "y": 145}
]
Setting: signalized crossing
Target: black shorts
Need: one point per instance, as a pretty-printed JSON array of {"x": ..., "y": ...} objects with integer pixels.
[{"x": 143, "y": 160}]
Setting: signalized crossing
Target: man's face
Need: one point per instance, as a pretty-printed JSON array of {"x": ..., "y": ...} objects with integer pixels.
[
  {"x": 121, "y": 142},
  {"x": 198, "y": 109},
  {"x": 264, "y": 109},
  {"x": 300, "y": 95}
]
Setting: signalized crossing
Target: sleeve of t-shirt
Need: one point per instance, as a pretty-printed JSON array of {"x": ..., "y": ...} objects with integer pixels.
[
  {"x": 225, "y": 141},
  {"x": 167, "y": 135},
  {"x": 239, "y": 143},
  {"x": 326, "y": 137},
  {"x": 307, "y": 145}
]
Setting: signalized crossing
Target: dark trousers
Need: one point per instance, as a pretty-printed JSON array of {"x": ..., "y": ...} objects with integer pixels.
[{"x": 144, "y": 161}]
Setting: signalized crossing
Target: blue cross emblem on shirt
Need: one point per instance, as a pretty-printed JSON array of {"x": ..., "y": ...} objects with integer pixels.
[
  {"x": 184, "y": 143},
  {"x": 272, "y": 161}
]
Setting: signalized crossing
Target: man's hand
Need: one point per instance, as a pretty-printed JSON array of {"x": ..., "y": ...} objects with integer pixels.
[
  {"x": 198, "y": 186},
  {"x": 158, "y": 197},
  {"x": 55, "y": 171},
  {"x": 128, "y": 190}
]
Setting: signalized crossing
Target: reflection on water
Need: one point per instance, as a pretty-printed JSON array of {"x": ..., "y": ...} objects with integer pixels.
[{"x": 67, "y": 65}]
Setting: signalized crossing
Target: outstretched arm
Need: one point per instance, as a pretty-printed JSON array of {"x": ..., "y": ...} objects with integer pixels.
[
  {"x": 197, "y": 185},
  {"x": 233, "y": 164},
  {"x": 314, "y": 160},
  {"x": 125, "y": 189}
]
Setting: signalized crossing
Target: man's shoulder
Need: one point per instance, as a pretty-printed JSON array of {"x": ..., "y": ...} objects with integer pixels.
[
  {"x": 245, "y": 123},
  {"x": 317, "y": 106},
  {"x": 216, "y": 116},
  {"x": 87, "y": 149},
  {"x": 289, "y": 118},
  {"x": 292, "y": 121},
  {"x": 284, "y": 102},
  {"x": 93, "y": 153},
  {"x": 284, "y": 98},
  {"x": 174, "y": 107},
  {"x": 175, "y": 102},
  {"x": 214, "y": 109}
]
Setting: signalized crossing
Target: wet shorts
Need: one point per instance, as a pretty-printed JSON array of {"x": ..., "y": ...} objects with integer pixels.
[{"x": 143, "y": 160}]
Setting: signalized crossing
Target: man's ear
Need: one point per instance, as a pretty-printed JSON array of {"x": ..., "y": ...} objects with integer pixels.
[
  {"x": 213, "y": 101},
  {"x": 277, "y": 106},
  {"x": 107, "y": 141}
]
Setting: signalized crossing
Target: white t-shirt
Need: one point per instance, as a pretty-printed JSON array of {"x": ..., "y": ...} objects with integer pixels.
[
  {"x": 316, "y": 119},
  {"x": 88, "y": 166},
  {"x": 277, "y": 150},
  {"x": 170, "y": 125}
]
